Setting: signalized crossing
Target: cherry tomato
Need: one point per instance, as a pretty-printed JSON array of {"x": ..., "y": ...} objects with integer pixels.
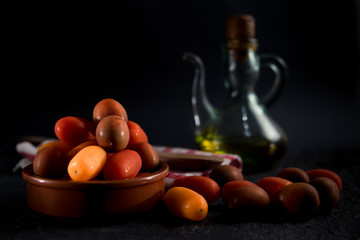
[
  {"x": 70, "y": 154},
  {"x": 87, "y": 163},
  {"x": 63, "y": 146},
  {"x": 328, "y": 192},
  {"x": 230, "y": 187},
  {"x": 50, "y": 162},
  {"x": 149, "y": 157},
  {"x": 298, "y": 198},
  {"x": 108, "y": 107},
  {"x": 74, "y": 130},
  {"x": 248, "y": 197},
  {"x": 272, "y": 185},
  {"x": 205, "y": 186},
  {"x": 186, "y": 203},
  {"x": 112, "y": 133},
  {"x": 314, "y": 173},
  {"x": 225, "y": 173},
  {"x": 122, "y": 165},
  {"x": 137, "y": 134},
  {"x": 294, "y": 174}
]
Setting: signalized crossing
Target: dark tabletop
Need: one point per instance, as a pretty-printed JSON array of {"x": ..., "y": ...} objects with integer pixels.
[{"x": 18, "y": 221}]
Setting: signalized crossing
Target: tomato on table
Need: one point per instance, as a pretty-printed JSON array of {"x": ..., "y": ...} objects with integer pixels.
[
  {"x": 315, "y": 173},
  {"x": 272, "y": 186},
  {"x": 205, "y": 186},
  {"x": 248, "y": 198},
  {"x": 186, "y": 203},
  {"x": 230, "y": 187},
  {"x": 225, "y": 173}
]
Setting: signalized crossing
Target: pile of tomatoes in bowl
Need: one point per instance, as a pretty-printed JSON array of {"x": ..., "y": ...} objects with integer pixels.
[{"x": 110, "y": 147}]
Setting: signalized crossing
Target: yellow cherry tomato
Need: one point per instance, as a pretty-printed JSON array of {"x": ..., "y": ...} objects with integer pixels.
[
  {"x": 87, "y": 163},
  {"x": 186, "y": 203}
]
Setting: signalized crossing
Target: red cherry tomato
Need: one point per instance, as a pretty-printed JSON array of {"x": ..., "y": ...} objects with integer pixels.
[
  {"x": 272, "y": 186},
  {"x": 74, "y": 130},
  {"x": 248, "y": 197},
  {"x": 315, "y": 173},
  {"x": 122, "y": 165},
  {"x": 205, "y": 186},
  {"x": 230, "y": 187},
  {"x": 137, "y": 134}
]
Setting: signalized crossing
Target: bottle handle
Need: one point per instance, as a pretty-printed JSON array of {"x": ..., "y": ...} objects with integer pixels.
[{"x": 280, "y": 69}]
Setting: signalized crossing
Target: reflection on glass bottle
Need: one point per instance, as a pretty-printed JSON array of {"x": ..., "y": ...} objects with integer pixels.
[{"x": 242, "y": 126}]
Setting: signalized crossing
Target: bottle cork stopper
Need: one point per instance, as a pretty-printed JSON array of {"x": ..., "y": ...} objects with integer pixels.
[{"x": 240, "y": 27}]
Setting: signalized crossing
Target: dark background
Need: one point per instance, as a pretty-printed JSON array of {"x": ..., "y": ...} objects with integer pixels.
[{"x": 62, "y": 59}]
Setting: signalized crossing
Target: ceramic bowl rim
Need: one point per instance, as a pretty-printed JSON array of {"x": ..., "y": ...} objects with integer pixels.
[{"x": 29, "y": 176}]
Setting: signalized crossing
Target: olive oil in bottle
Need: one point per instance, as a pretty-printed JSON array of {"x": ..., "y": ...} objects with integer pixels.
[{"x": 242, "y": 126}]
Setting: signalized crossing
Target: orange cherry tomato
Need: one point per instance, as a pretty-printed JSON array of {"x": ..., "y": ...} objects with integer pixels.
[
  {"x": 63, "y": 146},
  {"x": 230, "y": 187},
  {"x": 186, "y": 203},
  {"x": 76, "y": 149},
  {"x": 205, "y": 186},
  {"x": 74, "y": 130},
  {"x": 315, "y": 173},
  {"x": 137, "y": 134},
  {"x": 272, "y": 186},
  {"x": 122, "y": 165},
  {"x": 87, "y": 163}
]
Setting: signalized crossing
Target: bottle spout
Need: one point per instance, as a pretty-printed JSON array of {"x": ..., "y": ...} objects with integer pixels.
[
  {"x": 202, "y": 109},
  {"x": 194, "y": 59}
]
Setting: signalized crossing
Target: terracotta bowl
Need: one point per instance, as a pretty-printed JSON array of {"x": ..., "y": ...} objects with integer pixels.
[{"x": 69, "y": 199}]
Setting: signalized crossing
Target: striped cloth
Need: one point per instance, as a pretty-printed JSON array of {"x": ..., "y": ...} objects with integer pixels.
[{"x": 229, "y": 159}]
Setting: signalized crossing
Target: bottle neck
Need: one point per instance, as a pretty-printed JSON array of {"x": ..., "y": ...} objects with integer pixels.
[
  {"x": 242, "y": 66},
  {"x": 241, "y": 45}
]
